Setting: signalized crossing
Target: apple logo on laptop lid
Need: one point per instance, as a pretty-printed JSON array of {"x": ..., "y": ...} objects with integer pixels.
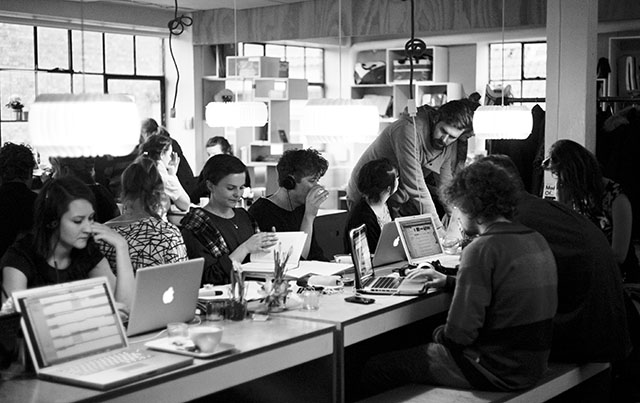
[
  {"x": 396, "y": 242},
  {"x": 167, "y": 296}
]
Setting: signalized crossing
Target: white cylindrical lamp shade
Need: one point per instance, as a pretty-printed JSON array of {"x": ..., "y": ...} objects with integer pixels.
[
  {"x": 236, "y": 114},
  {"x": 502, "y": 122},
  {"x": 343, "y": 119},
  {"x": 84, "y": 125}
]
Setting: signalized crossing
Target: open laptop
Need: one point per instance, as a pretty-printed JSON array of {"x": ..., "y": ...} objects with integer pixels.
[
  {"x": 365, "y": 279},
  {"x": 75, "y": 336},
  {"x": 421, "y": 242},
  {"x": 389, "y": 248},
  {"x": 163, "y": 294}
]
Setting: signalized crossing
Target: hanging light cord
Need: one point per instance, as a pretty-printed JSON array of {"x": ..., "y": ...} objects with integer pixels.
[
  {"x": 503, "y": 52},
  {"x": 176, "y": 27},
  {"x": 414, "y": 48}
]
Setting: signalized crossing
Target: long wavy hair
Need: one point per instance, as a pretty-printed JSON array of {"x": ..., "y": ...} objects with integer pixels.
[
  {"x": 579, "y": 176},
  {"x": 142, "y": 181}
]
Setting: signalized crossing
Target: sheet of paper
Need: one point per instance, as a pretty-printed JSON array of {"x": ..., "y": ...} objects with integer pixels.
[
  {"x": 293, "y": 241},
  {"x": 304, "y": 267}
]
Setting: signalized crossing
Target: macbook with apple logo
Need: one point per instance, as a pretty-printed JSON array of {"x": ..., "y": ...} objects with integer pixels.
[{"x": 163, "y": 294}]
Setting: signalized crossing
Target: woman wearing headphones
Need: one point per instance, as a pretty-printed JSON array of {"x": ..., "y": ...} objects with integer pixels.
[
  {"x": 63, "y": 244},
  {"x": 294, "y": 206},
  {"x": 220, "y": 232}
]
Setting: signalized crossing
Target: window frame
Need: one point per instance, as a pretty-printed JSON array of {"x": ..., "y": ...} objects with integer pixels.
[{"x": 522, "y": 78}]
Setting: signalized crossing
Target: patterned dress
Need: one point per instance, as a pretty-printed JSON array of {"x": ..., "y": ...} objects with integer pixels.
[{"x": 151, "y": 242}]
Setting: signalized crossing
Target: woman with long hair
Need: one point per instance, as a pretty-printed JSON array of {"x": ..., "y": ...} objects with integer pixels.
[
  {"x": 63, "y": 246},
  {"x": 582, "y": 186},
  {"x": 151, "y": 240}
]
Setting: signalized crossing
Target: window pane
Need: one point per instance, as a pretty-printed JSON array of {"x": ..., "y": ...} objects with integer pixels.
[
  {"x": 91, "y": 49},
  {"x": 145, "y": 92},
  {"x": 535, "y": 60},
  {"x": 149, "y": 56},
  {"x": 16, "y": 46},
  {"x": 512, "y": 61},
  {"x": 54, "y": 83},
  {"x": 15, "y": 132},
  {"x": 20, "y": 84},
  {"x": 274, "y": 51},
  {"x": 119, "y": 53},
  {"x": 253, "y": 49},
  {"x": 88, "y": 83},
  {"x": 534, "y": 89},
  {"x": 314, "y": 65},
  {"x": 295, "y": 57},
  {"x": 53, "y": 48},
  {"x": 515, "y": 88}
]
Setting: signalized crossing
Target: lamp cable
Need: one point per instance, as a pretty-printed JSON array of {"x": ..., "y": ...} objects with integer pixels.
[{"x": 176, "y": 27}]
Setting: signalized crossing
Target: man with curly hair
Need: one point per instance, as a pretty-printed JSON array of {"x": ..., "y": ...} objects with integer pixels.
[
  {"x": 16, "y": 198},
  {"x": 498, "y": 330},
  {"x": 294, "y": 206}
]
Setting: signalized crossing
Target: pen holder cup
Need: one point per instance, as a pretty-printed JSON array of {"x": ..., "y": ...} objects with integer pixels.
[{"x": 235, "y": 310}]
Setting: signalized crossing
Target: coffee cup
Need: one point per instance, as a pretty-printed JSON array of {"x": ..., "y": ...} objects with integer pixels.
[{"x": 206, "y": 338}]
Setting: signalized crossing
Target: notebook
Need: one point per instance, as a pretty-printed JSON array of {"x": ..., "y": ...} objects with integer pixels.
[
  {"x": 389, "y": 248},
  {"x": 421, "y": 242},
  {"x": 262, "y": 262},
  {"x": 365, "y": 278},
  {"x": 163, "y": 294},
  {"x": 73, "y": 329}
]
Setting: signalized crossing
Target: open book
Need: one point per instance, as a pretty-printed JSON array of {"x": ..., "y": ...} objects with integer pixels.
[{"x": 263, "y": 262}]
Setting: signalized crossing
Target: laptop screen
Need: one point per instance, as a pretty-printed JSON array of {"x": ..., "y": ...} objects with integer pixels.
[
  {"x": 360, "y": 254},
  {"x": 70, "y": 321},
  {"x": 419, "y": 236}
]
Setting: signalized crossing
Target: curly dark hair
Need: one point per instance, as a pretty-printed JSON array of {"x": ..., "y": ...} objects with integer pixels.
[
  {"x": 482, "y": 190},
  {"x": 142, "y": 181},
  {"x": 16, "y": 162},
  {"x": 458, "y": 113},
  {"x": 376, "y": 176},
  {"x": 300, "y": 163},
  {"x": 580, "y": 184}
]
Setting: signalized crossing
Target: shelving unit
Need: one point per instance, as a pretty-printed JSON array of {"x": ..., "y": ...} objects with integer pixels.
[{"x": 433, "y": 66}]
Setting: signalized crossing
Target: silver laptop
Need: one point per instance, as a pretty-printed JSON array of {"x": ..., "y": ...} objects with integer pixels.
[
  {"x": 163, "y": 294},
  {"x": 75, "y": 336},
  {"x": 421, "y": 242},
  {"x": 365, "y": 278},
  {"x": 389, "y": 248}
]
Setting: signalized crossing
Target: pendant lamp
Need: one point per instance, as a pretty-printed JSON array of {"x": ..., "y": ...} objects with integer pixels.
[
  {"x": 84, "y": 125},
  {"x": 340, "y": 120},
  {"x": 493, "y": 122}
]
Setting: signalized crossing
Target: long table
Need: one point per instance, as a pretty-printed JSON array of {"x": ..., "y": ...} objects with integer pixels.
[{"x": 262, "y": 348}]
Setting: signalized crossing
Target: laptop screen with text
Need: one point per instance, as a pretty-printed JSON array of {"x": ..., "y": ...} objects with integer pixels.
[{"x": 419, "y": 236}]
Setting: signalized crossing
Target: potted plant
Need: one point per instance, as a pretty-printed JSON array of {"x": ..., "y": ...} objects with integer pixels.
[
  {"x": 275, "y": 292},
  {"x": 16, "y": 105}
]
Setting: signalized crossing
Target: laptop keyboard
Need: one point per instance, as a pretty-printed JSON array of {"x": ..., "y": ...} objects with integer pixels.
[
  {"x": 386, "y": 283},
  {"x": 104, "y": 363}
]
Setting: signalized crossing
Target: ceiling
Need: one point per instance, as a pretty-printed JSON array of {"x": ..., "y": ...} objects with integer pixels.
[{"x": 196, "y": 5}]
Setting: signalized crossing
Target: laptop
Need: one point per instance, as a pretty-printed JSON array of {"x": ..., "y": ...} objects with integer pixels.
[
  {"x": 74, "y": 335},
  {"x": 389, "y": 248},
  {"x": 163, "y": 294},
  {"x": 366, "y": 281},
  {"x": 421, "y": 242}
]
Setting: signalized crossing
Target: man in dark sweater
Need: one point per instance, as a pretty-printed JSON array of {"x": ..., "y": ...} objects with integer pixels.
[
  {"x": 16, "y": 200},
  {"x": 499, "y": 326},
  {"x": 590, "y": 325}
]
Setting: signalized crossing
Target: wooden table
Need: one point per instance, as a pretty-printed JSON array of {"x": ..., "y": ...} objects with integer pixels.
[{"x": 263, "y": 348}]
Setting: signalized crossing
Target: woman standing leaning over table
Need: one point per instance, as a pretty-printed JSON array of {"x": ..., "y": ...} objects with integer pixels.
[
  {"x": 63, "y": 244},
  {"x": 158, "y": 148},
  {"x": 220, "y": 232}
]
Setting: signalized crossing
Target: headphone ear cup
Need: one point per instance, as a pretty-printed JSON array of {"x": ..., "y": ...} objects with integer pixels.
[{"x": 289, "y": 182}]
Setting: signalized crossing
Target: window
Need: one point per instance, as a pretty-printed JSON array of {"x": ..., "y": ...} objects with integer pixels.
[
  {"x": 39, "y": 60},
  {"x": 525, "y": 68},
  {"x": 304, "y": 62}
]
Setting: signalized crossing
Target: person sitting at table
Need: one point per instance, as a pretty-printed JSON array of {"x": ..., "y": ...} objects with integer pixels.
[
  {"x": 16, "y": 199},
  {"x": 498, "y": 330},
  {"x": 63, "y": 245},
  {"x": 84, "y": 169},
  {"x": 377, "y": 181},
  {"x": 294, "y": 206},
  {"x": 151, "y": 240},
  {"x": 159, "y": 149},
  {"x": 220, "y": 232}
]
